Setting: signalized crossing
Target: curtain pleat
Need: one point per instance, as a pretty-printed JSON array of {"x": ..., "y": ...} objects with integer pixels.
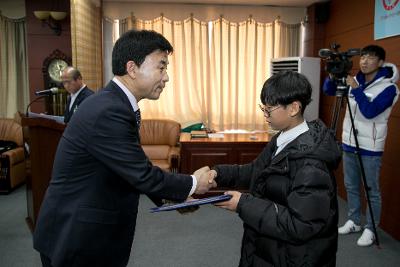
[
  {"x": 183, "y": 95},
  {"x": 14, "y": 89}
]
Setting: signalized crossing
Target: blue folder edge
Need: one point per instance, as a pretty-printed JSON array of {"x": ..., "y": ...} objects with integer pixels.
[{"x": 196, "y": 202}]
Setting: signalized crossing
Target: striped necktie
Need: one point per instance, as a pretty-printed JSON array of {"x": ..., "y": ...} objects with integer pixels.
[{"x": 138, "y": 118}]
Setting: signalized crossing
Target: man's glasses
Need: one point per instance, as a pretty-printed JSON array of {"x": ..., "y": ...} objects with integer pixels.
[{"x": 267, "y": 112}]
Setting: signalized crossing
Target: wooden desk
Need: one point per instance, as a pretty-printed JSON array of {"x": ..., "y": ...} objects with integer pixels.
[{"x": 231, "y": 149}]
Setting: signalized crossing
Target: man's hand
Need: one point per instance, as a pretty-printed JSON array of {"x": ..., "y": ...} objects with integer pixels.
[
  {"x": 232, "y": 203},
  {"x": 205, "y": 180},
  {"x": 201, "y": 171},
  {"x": 351, "y": 82}
]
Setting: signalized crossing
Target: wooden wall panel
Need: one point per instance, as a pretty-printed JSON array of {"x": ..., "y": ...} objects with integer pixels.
[
  {"x": 42, "y": 41},
  {"x": 347, "y": 16},
  {"x": 351, "y": 24}
]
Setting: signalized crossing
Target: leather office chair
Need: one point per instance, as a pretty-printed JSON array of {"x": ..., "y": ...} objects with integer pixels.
[
  {"x": 12, "y": 162},
  {"x": 159, "y": 139}
]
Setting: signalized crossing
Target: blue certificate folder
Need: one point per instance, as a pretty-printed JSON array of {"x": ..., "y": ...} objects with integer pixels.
[{"x": 191, "y": 203}]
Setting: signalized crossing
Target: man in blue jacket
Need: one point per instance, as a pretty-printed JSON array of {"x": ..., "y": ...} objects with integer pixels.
[{"x": 372, "y": 94}]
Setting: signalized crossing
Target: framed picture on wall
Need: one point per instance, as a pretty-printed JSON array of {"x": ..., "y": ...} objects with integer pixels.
[{"x": 387, "y": 18}]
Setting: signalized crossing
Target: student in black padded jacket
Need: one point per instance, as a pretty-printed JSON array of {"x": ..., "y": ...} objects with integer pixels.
[{"x": 290, "y": 216}]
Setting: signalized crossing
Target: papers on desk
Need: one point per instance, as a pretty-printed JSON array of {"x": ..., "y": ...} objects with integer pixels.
[
  {"x": 190, "y": 203},
  {"x": 59, "y": 119},
  {"x": 198, "y": 134},
  {"x": 216, "y": 135}
]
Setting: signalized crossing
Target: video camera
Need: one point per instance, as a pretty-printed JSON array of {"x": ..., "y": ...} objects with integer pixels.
[{"x": 338, "y": 65}]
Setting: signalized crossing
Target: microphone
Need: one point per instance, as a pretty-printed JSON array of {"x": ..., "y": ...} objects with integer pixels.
[
  {"x": 50, "y": 91},
  {"x": 33, "y": 101},
  {"x": 325, "y": 52}
]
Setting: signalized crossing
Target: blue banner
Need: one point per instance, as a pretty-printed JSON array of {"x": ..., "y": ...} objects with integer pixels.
[{"x": 387, "y": 18}]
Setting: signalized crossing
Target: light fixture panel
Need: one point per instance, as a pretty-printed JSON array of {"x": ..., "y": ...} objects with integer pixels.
[
  {"x": 41, "y": 14},
  {"x": 57, "y": 15}
]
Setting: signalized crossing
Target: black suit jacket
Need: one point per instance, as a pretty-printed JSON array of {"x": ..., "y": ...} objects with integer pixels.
[
  {"x": 88, "y": 215},
  {"x": 81, "y": 96}
]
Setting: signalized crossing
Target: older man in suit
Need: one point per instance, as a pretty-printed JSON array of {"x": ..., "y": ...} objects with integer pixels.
[
  {"x": 72, "y": 81},
  {"x": 88, "y": 216}
]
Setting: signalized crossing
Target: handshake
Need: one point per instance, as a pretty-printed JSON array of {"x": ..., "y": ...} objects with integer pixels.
[{"x": 205, "y": 180}]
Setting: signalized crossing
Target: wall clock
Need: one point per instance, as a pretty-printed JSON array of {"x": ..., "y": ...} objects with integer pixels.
[{"x": 53, "y": 66}]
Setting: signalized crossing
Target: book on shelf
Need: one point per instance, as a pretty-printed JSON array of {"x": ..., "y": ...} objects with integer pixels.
[{"x": 198, "y": 134}]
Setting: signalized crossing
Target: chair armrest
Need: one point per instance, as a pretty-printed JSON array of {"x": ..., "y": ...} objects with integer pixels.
[
  {"x": 15, "y": 155},
  {"x": 174, "y": 158}
]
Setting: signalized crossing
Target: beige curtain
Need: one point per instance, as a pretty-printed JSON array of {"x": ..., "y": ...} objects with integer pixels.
[
  {"x": 217, "y": 69},
  {"x": 86, "y": 36},
  {"x": 183, "y": 98},
  {"x": 14, "y": 89},
  {"x": 127, "y": 24},
  {"x": 240, "y": 56},
  {"x": 287, "y": 39},
  {"x": 239, "y": 67}
]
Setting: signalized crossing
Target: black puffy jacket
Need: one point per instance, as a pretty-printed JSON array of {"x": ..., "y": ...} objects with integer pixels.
[{"x": 290, "y": 216}]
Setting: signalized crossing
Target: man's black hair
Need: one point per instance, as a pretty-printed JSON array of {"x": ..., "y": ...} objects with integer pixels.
[
  {"x": 136, "y": 45},
  {"x": 374, "y": 50},
  {"x": 286, "y": 87}
]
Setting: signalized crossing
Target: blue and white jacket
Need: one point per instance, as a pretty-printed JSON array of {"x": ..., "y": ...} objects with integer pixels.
[{"x": 371, "y": 104}]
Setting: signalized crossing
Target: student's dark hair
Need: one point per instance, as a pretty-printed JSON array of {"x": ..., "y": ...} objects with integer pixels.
[
  {"x": 374, "y": 50},
  {"x": 136, "y": 45},
  {"x": 286, "y": 87}
]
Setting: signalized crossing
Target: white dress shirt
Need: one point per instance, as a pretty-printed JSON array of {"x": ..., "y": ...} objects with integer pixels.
[
  {"x": 285, "y": 138},
  {"x": 128, "y": 93},
  {"x": 135, "y": 107},
  {"x": 74, "y": 96}
]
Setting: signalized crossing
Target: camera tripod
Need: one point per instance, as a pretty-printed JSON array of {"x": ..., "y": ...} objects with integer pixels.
[{"x": 342, "y": 95}]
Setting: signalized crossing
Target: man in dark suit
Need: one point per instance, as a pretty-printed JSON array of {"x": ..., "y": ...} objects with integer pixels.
[
  {"x": 88, "y": 215},
  {"x": 72, "y": 81}
]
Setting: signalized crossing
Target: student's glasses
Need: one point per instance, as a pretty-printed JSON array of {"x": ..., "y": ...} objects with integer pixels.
[{"x": 267, "y": 112}]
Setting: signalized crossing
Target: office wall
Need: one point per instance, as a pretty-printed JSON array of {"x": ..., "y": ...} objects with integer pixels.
[
  {"x": 41, "y": 42},
  {"x": 351, "y": 24}
]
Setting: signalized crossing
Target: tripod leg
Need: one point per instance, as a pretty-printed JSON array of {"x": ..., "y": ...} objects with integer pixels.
[
  {"x": 363, "y": 176},
  {"x": 336, "y": 112}
]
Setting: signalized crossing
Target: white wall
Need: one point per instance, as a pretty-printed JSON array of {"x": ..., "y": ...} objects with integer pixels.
[{"x": 120, "y": 10}]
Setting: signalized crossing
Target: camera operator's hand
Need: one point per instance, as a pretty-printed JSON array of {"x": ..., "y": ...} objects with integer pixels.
[{"x": 351, "y": 81}]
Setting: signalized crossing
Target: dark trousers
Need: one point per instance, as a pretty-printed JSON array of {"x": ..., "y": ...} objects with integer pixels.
[{"x": 45, "y": 260}]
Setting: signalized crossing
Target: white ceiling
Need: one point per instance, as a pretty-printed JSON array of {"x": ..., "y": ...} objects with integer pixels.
[{"x": 288, "y": 3}]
